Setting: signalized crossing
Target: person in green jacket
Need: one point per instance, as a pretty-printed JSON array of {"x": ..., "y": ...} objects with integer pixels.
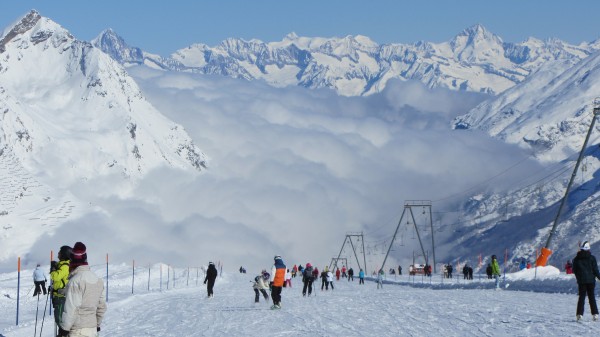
[
  {"x": 59, "y": 276},
  {"x": 496, "y": 271}
]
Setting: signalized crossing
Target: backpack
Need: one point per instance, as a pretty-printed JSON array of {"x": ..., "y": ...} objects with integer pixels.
[{"x": 307, "y": 273}]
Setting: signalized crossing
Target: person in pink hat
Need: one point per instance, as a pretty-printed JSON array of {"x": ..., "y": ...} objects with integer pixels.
[{"x": 85, "y": 303}]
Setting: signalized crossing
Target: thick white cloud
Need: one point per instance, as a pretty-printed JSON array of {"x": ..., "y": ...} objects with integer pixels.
[{"x": 291, "y": 172}]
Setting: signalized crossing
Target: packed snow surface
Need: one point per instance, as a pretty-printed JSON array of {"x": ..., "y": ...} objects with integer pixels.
[{"x": 531, "y": 303}]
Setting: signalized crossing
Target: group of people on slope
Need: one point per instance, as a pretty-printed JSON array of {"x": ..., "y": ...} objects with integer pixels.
[{"x": 78, "y": 296}]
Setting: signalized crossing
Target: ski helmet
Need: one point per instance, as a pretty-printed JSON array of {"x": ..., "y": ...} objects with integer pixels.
[
  {"x": 585, "y": 245},
  {"x": 64, "y": 253}
]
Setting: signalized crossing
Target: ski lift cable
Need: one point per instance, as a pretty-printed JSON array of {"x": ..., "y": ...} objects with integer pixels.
[{"x": 498, "y": 174}]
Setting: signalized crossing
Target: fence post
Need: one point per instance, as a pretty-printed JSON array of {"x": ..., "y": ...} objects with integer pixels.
[
  {"x": 132, "y": 276},
  {"x": 50, "y": 306},
  {"x": 18, "y": 286},
  {"x": 106, "y": 277}
]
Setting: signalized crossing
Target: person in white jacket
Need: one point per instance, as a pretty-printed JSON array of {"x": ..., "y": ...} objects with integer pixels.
[
  {"x": 330, "y": 278},
  {"x": 84, "y": 298},
  {"x": 39, "y": 279},
  {"x": 261, "y": 285},
  {"x": 288, "y": 279}
]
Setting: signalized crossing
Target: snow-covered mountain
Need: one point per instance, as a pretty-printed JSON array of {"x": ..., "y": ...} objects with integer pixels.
[
  {"x": 474, "y": 60},
  {"x": 71, "y": 113},
  {"x": 549, "y": 113}
]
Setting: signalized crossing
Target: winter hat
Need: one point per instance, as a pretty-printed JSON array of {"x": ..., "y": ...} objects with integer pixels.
[
  {"x": 277, "y": 257},
  {"x": 585, "y": 245},
  {"x": 308, "y": 265},
  {"x": 78, "y": 256}
]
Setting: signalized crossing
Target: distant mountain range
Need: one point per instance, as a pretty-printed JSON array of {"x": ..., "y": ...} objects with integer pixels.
[
  {"x": 70, "y": 111},
  {"x": 474, "y": 60}
]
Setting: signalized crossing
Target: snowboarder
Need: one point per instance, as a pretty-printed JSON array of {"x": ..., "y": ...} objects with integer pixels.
[
  {"x": 496, "y": 271},
  {"x": 84, "y": 305},
  {"x": 277, "y": 279},
  {"x": 585, "y": 268},
  {"x": 59, "y": 277},
  {"x": 361, "y": 277},
  {"x": 260, "y": 286},
  {"x": 209, "y": 279},
  {"x": 307, "y": 279},
  {"x": 39, "y": 279}
]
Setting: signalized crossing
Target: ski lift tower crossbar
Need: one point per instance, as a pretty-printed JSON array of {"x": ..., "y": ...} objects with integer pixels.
[{"x": 409, "y": 204}]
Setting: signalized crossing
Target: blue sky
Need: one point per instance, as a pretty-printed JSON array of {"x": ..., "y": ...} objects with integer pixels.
[{"x": 163, "y": 27}]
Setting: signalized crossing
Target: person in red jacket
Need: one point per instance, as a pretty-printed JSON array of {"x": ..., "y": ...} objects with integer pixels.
[
  {"x": 337, "y": 273},
  {"x": 569, "y": 267},
  {"x": 277, "y": 279}
]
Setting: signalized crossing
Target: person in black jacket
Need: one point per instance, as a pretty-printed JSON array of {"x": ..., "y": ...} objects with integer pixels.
[
  {"x": 585, "y": 269},
  {"x": 209, "y": 280}
]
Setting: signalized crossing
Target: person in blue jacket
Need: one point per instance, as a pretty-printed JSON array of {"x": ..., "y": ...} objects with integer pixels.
[{"x": 361, "y": 277}]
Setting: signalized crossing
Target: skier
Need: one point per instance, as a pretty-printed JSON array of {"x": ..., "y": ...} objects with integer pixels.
[
  {"x": 294, "y": 271},
  {"x": 59, "y": 277},
  {"x": 569, "y": 267},
  {"x": 361, "y": 277},
  {"x": 399, "y": 270},
  {"x": 277, "y": 279},
  {"x": 496, "y": 271},
  {"x": 307, "y": 279},
  {"x": 450, "y": 270},
  {"x": 324, "y": 283},
  {"x": 209, "y": 279},
  {"x": 84, "y": 305},
  {"x": 39, "y": 279},
  {"x": 523, "y": 264},
  {"x": 261, "y": 284},
  {"x": 585, "y": 268},
  {"x": 288, "y": 279},
  {"x": 380, "y": 279},
  {"x": 350, "y": 274},
  {"x": 330, "y": 279},
  {"x": 344, "y": 271},
  {"x": 337, "y": 273},
  {"x": 488, "y": 271}
]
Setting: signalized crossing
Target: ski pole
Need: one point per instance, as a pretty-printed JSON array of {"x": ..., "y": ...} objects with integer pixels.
[
  {"x": 44, "y": 316},
  {"x": 36, "y": 314}
]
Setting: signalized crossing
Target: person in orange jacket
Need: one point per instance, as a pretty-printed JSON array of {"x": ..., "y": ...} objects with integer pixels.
[{"x": 277, "y": 279}]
